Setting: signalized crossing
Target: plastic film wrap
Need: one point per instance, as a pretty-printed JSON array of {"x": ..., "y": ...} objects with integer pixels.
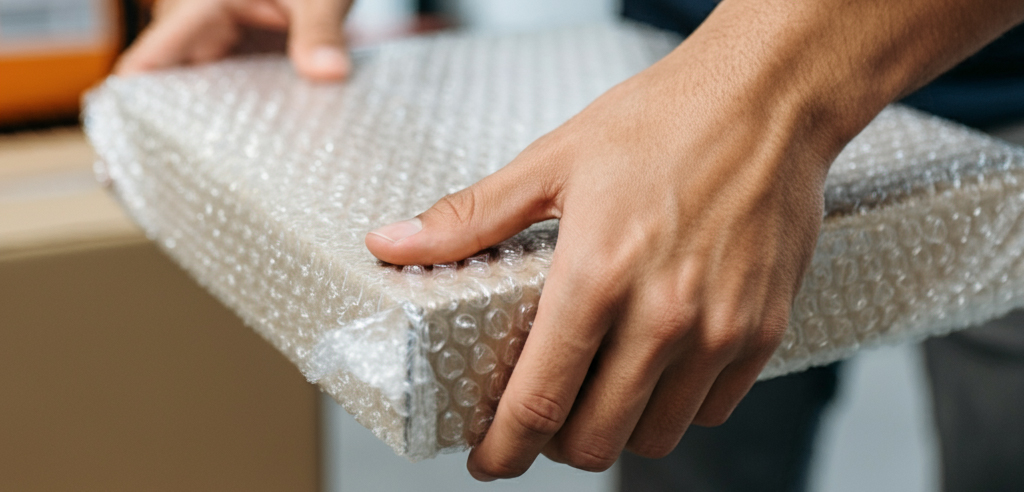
[{"x": 263, "y": 186}]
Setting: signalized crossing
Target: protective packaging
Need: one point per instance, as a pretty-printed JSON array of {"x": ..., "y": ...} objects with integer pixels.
[{"x": 263, "y": 186}]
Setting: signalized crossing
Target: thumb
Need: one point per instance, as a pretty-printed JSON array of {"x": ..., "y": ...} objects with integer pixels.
[
  {"x": 315, "y": 42},
  {"x": 461, "y": 224}
]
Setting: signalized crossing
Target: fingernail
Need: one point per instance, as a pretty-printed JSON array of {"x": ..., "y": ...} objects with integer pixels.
[
  {"x": 329, "y": 59},
  {"x": 482, "y": 477},
  {"x": 399, "y": 230}
]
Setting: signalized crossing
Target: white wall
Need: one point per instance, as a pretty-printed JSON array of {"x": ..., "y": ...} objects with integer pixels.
[
  {"x": 376, "y": 13},
  {"x": 525, "y": 14}
]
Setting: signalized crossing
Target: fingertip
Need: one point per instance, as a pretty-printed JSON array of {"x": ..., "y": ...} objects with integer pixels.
[
  {"x": 480, "y": 477},
  {"x": 324, "y": 63},
  {"x": 388, "y": 242},
  {"x": 475, "y": 471},
  {"x": 398, "y": 231},
  {"x": 379, "y": 246},
  {"x": 330, "y": 59}
]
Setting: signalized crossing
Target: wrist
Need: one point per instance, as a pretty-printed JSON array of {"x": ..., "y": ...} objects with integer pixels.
[
  {"x": 784, "y": 64},
  {"x": 825, "y": 69}
]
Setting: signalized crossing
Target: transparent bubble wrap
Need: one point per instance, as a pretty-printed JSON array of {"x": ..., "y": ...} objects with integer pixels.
[{"x": 263, "y": 186}]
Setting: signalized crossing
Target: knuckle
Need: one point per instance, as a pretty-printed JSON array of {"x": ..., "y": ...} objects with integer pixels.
[
  {"x": 725, "y": 342},
  {"x": 539, "y": 414},
  {"x": 666, "y": 333},
  {"x": 671, "y": 313},
  {"x": 458, "y": 207},
  {"x": 671, "y": 323},
  {"x": 684, "y": 314},
  {"x": 501, "y": 469},
  {"x": 549, "y": 158},
  {"x": 728, "y": 330}
]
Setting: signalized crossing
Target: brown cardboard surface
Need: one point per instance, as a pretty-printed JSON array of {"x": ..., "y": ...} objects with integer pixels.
[
  {"x": 70, "y": 221},
  {"x": 117, "y": 371},
  {"x": 49, "y": 200},
  {"x": 42, "y": 152}
]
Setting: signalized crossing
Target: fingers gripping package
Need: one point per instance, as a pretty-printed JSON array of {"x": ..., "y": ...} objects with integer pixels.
[{"x": 263, "y": 186}]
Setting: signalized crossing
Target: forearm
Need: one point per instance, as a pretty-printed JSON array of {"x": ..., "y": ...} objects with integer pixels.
[{"x": 829, "y": 66}]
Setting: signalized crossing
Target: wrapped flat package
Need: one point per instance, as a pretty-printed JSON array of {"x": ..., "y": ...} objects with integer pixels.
[{"x": 263, "y": 187}]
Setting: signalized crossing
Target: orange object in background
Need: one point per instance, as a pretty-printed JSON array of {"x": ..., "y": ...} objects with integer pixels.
[{"x": 51, "y": 51}]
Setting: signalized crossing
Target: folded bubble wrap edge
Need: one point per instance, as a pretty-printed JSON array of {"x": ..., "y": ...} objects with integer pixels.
[{"x": 262, "y": 186}]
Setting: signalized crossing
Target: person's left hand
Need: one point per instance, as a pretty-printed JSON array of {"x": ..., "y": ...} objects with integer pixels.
[{"x": 187, "y": 32}]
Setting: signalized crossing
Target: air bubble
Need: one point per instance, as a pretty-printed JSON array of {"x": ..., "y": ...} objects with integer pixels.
[
  {"x": 481, "y": 420},
  {"x": 450, "y": 364},
  {"x": 510, "y": 353},
  {"x": 482, "y": 359},
  {"x": 466, "y": 392},
  {"x": 496, "y": 383},
  {"x": 435, "y": 334},
  {"x": 464, "y": 329},
  {"x": 498, "y": 324},
  {"x": 450, "y": 427},
  {"x": 525, "y": 315}
]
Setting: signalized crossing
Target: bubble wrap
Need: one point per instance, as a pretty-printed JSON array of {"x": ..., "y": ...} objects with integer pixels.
[{"x": 263, "y": 186}]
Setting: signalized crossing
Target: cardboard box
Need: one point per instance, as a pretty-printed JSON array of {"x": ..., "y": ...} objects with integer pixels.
[{"x": 117, "y": 372}]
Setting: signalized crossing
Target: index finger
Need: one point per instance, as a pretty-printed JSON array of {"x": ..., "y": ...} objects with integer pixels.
[{"x": 568, "y": 330}]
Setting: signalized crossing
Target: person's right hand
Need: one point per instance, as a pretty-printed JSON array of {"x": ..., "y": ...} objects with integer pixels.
[{"x": 198, "y": 31}]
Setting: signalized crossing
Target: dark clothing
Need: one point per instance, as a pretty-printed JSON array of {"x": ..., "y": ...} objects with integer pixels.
[
  {"x": 977, "y": 378},
  {"x": 986, "y": 89}
]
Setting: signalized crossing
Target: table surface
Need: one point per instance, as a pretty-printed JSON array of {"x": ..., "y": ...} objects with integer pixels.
[{"x": 50, "y": 200}]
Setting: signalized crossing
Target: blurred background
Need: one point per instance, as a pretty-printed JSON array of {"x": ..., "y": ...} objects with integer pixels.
[{"x": 117, "y": 372}]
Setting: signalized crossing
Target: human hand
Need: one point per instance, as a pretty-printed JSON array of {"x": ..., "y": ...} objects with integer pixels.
[
  {"x": 689, "y": 199},
  {"x": 199, "y": 31},
  {"x": 689, "y": 210}
]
